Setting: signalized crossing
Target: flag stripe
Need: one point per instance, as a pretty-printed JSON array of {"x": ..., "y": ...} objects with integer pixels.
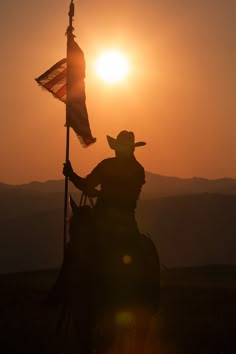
[
  {"x": 60, "y": 77},
  {"x": 61, "y": 93},
  {"x": 53, "y": 70}
]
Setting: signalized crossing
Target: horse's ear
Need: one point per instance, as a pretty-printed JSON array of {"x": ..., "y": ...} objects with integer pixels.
[{"x": 73, "y": 204}]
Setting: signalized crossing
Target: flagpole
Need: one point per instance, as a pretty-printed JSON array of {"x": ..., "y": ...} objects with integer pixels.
[
  {"x": 66, "y": 192},
  {"x": 69, "y": 33}
]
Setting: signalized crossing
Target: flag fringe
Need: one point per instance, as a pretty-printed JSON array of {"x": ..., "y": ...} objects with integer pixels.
[{"x": 49, "y": 90}]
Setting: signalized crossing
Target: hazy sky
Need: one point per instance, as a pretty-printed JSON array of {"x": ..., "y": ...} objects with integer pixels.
[{"x": 180, "y": 97}]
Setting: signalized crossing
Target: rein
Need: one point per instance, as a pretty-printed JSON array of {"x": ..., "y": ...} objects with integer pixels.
[{"x": 83, "y": 200}]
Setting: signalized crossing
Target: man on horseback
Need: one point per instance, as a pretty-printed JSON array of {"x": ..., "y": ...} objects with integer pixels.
[
  {"x": 117, "y": 267},
  {"x": 120, "y": 179}
]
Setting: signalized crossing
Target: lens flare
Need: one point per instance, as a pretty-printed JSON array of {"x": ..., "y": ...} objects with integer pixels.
[
  {"x": 127, "y": 259},
  {"x": 125, "y": 319}
]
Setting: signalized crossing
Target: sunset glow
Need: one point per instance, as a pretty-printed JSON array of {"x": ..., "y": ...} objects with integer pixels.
[
  {"x": 174, "y": 86},
  {"x": 112, "y": 67}
]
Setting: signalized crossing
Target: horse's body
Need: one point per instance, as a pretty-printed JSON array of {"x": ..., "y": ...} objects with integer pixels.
[{"x": 111, "y": 279}]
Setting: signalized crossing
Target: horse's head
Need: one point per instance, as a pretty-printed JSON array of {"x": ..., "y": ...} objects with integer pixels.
[{"x": 74, "y": 207}]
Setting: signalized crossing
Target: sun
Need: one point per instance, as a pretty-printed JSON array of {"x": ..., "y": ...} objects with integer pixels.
[{"x": 112, "y": 66}]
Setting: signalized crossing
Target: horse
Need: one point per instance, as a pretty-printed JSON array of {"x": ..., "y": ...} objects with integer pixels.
[{"x": 112, "y": 283}]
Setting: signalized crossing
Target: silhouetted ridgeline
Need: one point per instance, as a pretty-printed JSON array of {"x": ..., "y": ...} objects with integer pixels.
[
  {"x": 162, "y": 186},
  {"x": 192, "y": 221},
  {"x": 156, "y": 186}
]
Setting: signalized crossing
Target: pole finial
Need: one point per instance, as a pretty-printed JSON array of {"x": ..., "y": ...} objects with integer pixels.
[
  {"x": 72, "y": 9},
  {"x": 71, "y": 14}
]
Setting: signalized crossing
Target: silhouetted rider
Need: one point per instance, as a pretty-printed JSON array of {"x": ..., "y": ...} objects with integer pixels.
[{"x": 120, "y": 179}]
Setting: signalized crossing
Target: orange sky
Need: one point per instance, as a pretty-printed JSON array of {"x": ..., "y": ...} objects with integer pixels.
[{"x": 180, "y": 97}]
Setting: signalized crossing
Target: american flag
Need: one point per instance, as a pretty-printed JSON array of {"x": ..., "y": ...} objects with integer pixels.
[
  {"x": 54, "y": 80},
  {"x": 65, "y": 80}
]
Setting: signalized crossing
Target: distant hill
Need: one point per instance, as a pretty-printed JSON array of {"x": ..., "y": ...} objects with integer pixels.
[
  {"x": 156, "y": 186},
  {"x": 163, "y": 186},
  {"x": 192, "y": 221},
  {"x": 20, "y": 200}
]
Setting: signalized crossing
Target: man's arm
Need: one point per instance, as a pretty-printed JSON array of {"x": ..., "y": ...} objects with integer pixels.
[{"x": 79, "y": 182}]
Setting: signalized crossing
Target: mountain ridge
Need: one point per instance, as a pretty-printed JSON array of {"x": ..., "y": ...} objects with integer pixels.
[
  {"x": 191, "y": 226},
  {"x": 156, "y": 185}
]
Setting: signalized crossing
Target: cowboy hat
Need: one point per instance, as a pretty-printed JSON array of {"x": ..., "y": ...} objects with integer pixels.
[{"x": 124, "y": 139}]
